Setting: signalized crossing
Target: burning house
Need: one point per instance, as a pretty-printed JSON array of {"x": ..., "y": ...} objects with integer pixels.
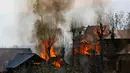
[
  {"x": 78, "y": 48},
  {"x": 85, "y": 56},
  {"x": 88, "y": 49},
  {"x": 115, "y": 49},
  {"x": 63, "y": 45},
  {"x": 86, "y": 52}
]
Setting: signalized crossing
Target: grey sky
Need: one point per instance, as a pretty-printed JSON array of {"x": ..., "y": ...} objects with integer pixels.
[
  {"x": 123, "y": 5},
  {"x": 10, "y": 9}
]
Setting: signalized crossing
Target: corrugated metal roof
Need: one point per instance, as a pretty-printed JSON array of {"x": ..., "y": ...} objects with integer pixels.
[
  {"x": 19, "y": 59},
  {"x": 8, "y": 54},
  {"x": 120, "y": 34}
]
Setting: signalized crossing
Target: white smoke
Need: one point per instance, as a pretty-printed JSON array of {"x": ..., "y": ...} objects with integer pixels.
[
  {"x": 7, "y": 24},
  {"x": 16, "y": 24},
  {"x": 25, "y": 24}
]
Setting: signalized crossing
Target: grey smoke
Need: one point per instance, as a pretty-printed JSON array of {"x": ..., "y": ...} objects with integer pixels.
[
  {"x": 79, "y": 13},
  {"x": 87, "y": 14}
]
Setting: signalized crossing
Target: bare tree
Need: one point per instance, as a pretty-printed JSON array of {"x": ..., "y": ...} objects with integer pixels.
[
  {"x": 116, "y": 20},
  {"x": 50, "y": 15},
  {"x": 128, "y": 20}
]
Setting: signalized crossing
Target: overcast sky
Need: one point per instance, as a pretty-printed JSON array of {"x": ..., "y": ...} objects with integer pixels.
[
  {"x": 9, "y": 10},
  {"x": 123, "y": 5}
]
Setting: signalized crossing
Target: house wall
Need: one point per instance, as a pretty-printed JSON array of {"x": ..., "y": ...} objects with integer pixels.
[
  {"x": 124, "y": 63},
  {"x": 124, "y": 66}
]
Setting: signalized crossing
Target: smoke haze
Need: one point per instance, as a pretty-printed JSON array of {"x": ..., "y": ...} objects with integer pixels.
[
  {"x": 83, "y": 13},
  {"x": 16, "y": 23},
  {"x": 77, "y": 11},
  {"x": 58, "y": 14}
]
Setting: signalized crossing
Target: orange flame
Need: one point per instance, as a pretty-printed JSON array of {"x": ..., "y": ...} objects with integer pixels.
[
  {"x": 86, "y": 46},
  {"x": 45, "y": 49},
  {"x": 57, "y": 63}
]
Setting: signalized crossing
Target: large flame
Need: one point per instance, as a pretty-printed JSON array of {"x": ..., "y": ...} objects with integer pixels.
[
  {"x": 47, "y": 46},
  {"x": 85, "y": 48}
]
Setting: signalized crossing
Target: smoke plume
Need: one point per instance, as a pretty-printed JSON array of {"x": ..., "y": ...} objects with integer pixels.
[
  {"x": 50, "y": 14},
  {"x": 62, "y": 14},
  {"x": 90, "y": 13}
]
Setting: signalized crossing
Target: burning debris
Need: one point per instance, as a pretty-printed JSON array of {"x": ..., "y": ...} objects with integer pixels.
[{"x": 57, "y": 63}]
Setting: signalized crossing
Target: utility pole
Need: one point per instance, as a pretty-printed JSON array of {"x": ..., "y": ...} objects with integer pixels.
[
  {"x": 64, "y": 63},
  {"x": 100, "y": 32},
  {"x": 80, "y": 30},
  {"x": 73, "y": 32}
]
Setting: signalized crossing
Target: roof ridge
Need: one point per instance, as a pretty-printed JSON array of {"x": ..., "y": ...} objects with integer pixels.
[{"x": 26, "y": 53}]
